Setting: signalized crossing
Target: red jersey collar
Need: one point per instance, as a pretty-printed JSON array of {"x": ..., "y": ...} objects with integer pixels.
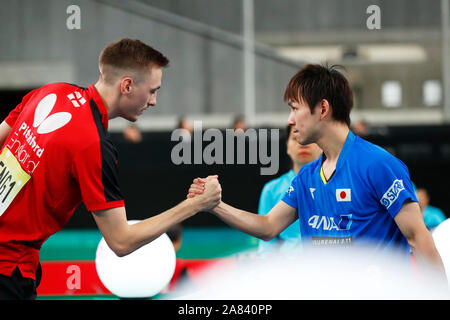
[{"x": 101, "y": 106}]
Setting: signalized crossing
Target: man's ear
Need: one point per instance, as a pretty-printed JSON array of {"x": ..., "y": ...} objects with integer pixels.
[
  {"x": 325, "y": 109},
  {"x": 126, "y": 85}
]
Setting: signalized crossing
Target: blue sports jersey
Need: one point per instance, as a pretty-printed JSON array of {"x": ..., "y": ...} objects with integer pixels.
[
  {"x": 358, "y": 203},
  {"x": 271, "y": 194}
]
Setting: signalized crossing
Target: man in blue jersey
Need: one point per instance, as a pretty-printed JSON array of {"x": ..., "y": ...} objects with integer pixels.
[
  {"x": 356, "y": 193},
  {"x": 275, "y": 189}
]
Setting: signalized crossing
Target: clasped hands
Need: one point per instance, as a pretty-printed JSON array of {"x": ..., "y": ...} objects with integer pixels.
[{"x": 207, "y": 190}]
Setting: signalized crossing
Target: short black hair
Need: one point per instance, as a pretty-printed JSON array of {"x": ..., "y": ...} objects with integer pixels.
[{"x": 315, "y": 82}]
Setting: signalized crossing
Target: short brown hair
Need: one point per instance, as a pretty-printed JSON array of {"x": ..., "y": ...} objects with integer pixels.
[
  {"x": 315, "y": 82},
  {"x": 129, "y": 54}
]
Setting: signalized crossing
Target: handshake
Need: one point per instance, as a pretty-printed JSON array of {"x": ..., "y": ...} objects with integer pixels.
[{"x": 207, "y": 191}]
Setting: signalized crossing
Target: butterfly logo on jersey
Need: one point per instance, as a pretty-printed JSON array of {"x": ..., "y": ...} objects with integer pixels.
[
  {"x": 27, "y": 149},
  {"x": 45, "y": 123}
]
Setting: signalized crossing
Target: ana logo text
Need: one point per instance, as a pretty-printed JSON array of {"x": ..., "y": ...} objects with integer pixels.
[{"x": 327, "y": 223}]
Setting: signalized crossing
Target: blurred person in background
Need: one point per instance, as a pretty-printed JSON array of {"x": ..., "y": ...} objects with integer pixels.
[
  {"x": 188, "y": 128},
  {"x": 274, "y": 190},
  {"x": 239, "y": 123},
  {"x": 361, "y": 128},
  {"x": 132, "y": 134},
  {"x": 180, "y": 275},
  {"x": 432, "y": 216},
  {"x": 175, "y": 234}
]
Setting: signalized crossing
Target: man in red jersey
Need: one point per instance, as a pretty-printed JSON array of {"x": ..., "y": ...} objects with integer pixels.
[{"x": 56, "y": 153}]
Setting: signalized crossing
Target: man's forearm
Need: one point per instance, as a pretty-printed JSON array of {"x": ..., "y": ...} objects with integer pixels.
[
  {"x": 151, "y": 228},
  {"x": 426, "y": 253},
  {"x": 123, "y": 238},
  {"x": 250, "y": 223},
  {"x": 410, "y": 222}
]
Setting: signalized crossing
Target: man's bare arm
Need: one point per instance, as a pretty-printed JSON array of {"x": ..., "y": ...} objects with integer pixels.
[
  {"x": 411, "y": 224},
  {"x": 263, "y": 227},
  {"x": 124, "y": 239}
]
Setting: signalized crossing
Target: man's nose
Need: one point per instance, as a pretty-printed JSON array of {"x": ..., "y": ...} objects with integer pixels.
[
  {"x": 152, "y": 100},
  {"x": 291, "y": 121}
]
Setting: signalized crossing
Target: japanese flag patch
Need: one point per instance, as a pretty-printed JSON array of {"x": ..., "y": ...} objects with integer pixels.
[{"x": 343, "y": 195}]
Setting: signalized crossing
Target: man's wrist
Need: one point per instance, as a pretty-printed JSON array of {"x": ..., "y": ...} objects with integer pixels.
[
  {"x": 193, "y": 204},
  {"x": 217, "y": 208}
]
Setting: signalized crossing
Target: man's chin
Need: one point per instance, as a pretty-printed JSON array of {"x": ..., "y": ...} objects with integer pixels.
[
  {"x": 128, "y": 116},
  {"x": 301, "y": 141},
  {"x": 131, "y": 118},
  {"x": 304, "y": 141}
]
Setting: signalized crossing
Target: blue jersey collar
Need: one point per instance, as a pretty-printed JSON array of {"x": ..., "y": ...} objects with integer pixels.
[
  {"x": 342, "y": 155},
  {"x": 345, "y": 149}
]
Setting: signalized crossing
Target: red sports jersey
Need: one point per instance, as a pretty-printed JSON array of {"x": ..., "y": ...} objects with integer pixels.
[{"x": 57, "y": 154}]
